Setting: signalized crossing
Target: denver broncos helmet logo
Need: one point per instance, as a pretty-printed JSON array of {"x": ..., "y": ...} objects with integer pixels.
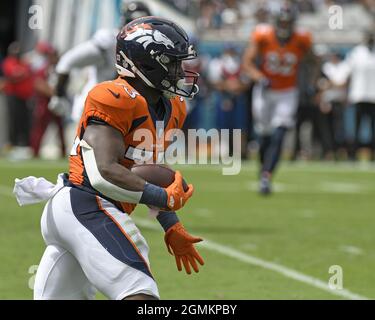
[{"x": 146, "y": 36}]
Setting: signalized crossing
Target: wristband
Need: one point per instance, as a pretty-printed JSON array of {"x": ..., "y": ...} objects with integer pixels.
[
  {"x": 167, "y": 219},
  {"x": 154, "y": 196}
]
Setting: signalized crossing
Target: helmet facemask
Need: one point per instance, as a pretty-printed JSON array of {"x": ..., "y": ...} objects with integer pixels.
[
  {"x": 284, "y": 28},
  {"x": 285, "y": 22},
  {"x": 178, "y": 81}
]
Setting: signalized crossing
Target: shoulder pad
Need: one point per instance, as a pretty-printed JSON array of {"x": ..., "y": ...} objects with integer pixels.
[
  {"x": 112, "y": 104},
  {"x": 262, "y": 32},
  {"x": 263, "y": 28},
  {"x": 304, "y": 37},
  {"x": 114, "y": 94},
  {"x": 303, "y": 31}
]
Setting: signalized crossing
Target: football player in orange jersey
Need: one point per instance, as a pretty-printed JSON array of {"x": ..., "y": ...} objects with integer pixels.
[
  {"x": 272, "y": 60},
  {"x": 91, "y": 239}
]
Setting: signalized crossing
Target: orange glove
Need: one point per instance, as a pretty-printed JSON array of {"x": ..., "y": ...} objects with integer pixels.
[
  {"x": 181, "y": 245},
  {"x": 177, "y": 197}
]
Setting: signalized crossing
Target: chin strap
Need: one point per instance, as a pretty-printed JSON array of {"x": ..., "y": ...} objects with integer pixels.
[{"x": 123, "y": 72}]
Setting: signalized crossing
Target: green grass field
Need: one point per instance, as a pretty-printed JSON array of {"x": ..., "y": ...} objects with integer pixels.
[{"x": 281, "y": 247}]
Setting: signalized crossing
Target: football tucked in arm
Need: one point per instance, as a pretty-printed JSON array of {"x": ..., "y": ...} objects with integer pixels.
[{"x": 157, "y": 174}]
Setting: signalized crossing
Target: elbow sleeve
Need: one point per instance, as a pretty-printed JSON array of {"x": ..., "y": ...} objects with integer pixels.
[{"x": 100, "y": 184}]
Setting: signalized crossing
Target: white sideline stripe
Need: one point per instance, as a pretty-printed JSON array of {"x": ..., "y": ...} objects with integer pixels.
[
  {"x": 246, "y": 258},
  {"x": 252, "y": 260}
]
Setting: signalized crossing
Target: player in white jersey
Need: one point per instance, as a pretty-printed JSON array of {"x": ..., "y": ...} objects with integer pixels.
[
  {"x": 98, "y": 54},
  {"x": 360, "y": 65}
]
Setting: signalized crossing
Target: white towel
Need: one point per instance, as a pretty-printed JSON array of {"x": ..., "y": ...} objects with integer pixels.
[{"x": 31, "y": 190}]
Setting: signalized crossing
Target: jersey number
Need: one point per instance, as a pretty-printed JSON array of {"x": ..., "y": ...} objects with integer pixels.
[{"x": 280, "y": 64}]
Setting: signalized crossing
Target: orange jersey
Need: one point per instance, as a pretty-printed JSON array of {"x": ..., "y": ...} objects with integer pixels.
[
  {"x": 280, "y": 62},
  {"x": 122, "y": 107}
]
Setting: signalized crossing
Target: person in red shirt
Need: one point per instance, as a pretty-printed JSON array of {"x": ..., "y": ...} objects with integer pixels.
[
  {"x": 43, "y": 84},
  {"x": 19, "y": 89}
]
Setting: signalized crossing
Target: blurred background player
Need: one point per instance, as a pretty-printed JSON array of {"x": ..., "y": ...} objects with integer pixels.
[
  {"x": 360, "y": 65},
  {"x": 272, "y": 60},
  {"x": 44, "y": 83},
  {"x": 228, "y": 79},
  {"x": 98, "y": 53},
  {"x": 18, "y": 88},
  {"x": 332, "y": 97}
]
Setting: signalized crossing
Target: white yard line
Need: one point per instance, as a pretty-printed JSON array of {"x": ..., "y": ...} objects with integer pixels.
[
  {"x": 341, "y": 187},
  {"x": 246, "y": 258},
  {"x": 353, "y": 250},
  {"x": 252, "y": 260}
]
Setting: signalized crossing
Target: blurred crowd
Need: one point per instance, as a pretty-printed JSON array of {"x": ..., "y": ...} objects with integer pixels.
[
  {"x": 218, "y": 13},
  {"x": 28, "y": 81},
  {"x": 336, "y": 108}
]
